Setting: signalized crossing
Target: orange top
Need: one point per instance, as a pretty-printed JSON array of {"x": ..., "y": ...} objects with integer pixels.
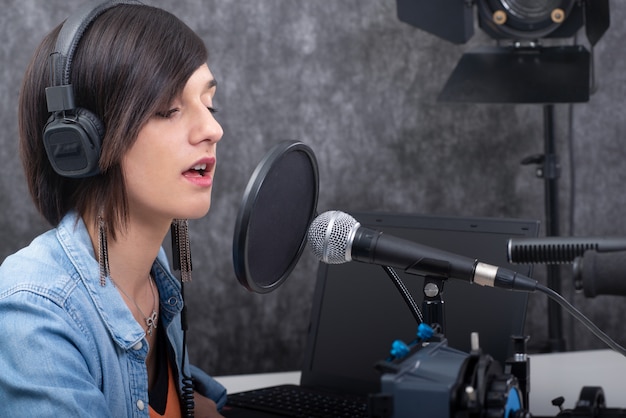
[{"x": 172, "y": 408}]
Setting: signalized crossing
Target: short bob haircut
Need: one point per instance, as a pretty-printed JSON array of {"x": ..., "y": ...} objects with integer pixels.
[{"x": 130, "y": 64}]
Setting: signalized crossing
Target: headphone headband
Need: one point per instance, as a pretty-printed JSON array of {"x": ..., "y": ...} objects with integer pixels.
[{"x": 67, "y": 41}]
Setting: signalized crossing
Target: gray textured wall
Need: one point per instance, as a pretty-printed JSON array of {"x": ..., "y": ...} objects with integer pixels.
[{"x": 360, "y": 87}]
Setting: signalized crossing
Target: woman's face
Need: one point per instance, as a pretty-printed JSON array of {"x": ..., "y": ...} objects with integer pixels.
[{"x": 169, "y": 169}]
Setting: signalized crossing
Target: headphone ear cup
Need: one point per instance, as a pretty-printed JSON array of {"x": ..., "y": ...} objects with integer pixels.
[{"x": 72, "y": 143}]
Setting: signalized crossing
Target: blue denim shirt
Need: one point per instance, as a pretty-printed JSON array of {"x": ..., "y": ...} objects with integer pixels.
[{"x": 70, "y": 347}]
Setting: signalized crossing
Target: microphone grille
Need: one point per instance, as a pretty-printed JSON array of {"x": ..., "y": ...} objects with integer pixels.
[{"x": 330, "y": 236}]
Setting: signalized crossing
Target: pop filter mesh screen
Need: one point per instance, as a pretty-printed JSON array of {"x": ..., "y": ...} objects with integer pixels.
[{"x": 279, "y": 221}]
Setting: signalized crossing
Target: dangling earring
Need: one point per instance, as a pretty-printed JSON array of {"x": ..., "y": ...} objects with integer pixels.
[
  {"x": 103, "y": 251},
  {"x": 181, "y": 248}
]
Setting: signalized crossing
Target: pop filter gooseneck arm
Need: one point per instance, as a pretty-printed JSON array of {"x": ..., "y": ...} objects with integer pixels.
[{"x": 278, "y": 205}]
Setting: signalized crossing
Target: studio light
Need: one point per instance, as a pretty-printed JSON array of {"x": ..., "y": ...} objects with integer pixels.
[{"x": 523, "y": 67}]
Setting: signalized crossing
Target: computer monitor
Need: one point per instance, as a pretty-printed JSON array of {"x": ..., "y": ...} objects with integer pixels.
[{"x": 358, "y": 312}]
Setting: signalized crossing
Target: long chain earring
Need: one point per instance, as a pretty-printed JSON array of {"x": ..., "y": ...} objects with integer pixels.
[
  {"x": 181, "y": 248},
  {"x": 103, "y": 251}
]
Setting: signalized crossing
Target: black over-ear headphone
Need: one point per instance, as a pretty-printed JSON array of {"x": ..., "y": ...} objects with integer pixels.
[{"x": 73, "y": 136}]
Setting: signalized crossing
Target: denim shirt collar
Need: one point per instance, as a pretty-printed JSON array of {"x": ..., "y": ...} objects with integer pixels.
[{"x": 124, "y": 329}]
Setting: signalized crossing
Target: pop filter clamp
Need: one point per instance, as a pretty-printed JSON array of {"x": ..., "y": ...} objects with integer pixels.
[{"x": 278, "y": 205}]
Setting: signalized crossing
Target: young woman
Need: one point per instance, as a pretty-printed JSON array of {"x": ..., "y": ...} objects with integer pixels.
[{"x": 90, "y": 313}]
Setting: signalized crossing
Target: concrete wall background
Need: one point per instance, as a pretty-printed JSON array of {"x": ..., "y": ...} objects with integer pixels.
[{"x": 360, "y": 87}]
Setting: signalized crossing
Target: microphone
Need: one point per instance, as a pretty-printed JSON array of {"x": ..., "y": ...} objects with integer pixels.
[
  {"x": 601, "y": 273},
  {"x": 336, "y": 237},
  {"x": 559, "y": 250}
]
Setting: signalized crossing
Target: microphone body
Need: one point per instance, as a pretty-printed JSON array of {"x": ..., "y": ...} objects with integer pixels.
[
  {"x": 336, "y": 237},
  {"x": 559, "y": 250},
  {"x": 601, "y": 273},
  {"x": 374, "y": 247}
]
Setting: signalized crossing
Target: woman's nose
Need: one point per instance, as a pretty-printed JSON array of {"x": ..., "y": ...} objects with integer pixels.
[{"x": 208, "y": 128}]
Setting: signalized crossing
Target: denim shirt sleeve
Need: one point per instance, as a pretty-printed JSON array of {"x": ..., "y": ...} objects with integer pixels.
[{"x": 44, "y": 372}]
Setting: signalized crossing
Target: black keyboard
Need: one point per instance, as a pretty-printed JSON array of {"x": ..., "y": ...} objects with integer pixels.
[{"x": 297, "y": 401}]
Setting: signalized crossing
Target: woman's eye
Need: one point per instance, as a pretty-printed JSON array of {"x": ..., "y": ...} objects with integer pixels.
[{"x": 167, "y": 114}]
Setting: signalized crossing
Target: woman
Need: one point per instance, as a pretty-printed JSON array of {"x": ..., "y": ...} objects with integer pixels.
[{"x": 90, "y": 314}]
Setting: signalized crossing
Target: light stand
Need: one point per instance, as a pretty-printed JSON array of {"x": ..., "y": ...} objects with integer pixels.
[
  {"x": 549, "y": 170},
  {"x": 551, "y": 174}
]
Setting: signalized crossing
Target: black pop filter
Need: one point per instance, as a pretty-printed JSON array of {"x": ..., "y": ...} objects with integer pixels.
[{"x": 278, "y": 206}]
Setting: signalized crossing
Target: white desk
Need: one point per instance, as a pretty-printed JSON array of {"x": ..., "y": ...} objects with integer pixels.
[
  {"x": 243, "y": 382},
  {"x": 551, "y": 375},
  {"x": 564, "y": 374}
]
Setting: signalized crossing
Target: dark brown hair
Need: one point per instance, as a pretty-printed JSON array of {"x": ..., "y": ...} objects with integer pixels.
[{"x": 131, "y": 63}]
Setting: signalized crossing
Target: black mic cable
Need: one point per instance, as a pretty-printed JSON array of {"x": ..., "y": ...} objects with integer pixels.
[{"x": 582, "y": 318}]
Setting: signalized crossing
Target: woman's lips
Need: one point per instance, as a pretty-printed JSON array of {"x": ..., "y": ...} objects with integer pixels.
[{"x": 200, "y": 173}]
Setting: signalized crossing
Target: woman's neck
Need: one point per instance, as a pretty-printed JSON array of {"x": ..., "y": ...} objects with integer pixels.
[{"x": 132, "y": 253}]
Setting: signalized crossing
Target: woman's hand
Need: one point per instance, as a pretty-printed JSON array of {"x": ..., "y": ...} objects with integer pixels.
[{"x": 204, "y": 407}]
